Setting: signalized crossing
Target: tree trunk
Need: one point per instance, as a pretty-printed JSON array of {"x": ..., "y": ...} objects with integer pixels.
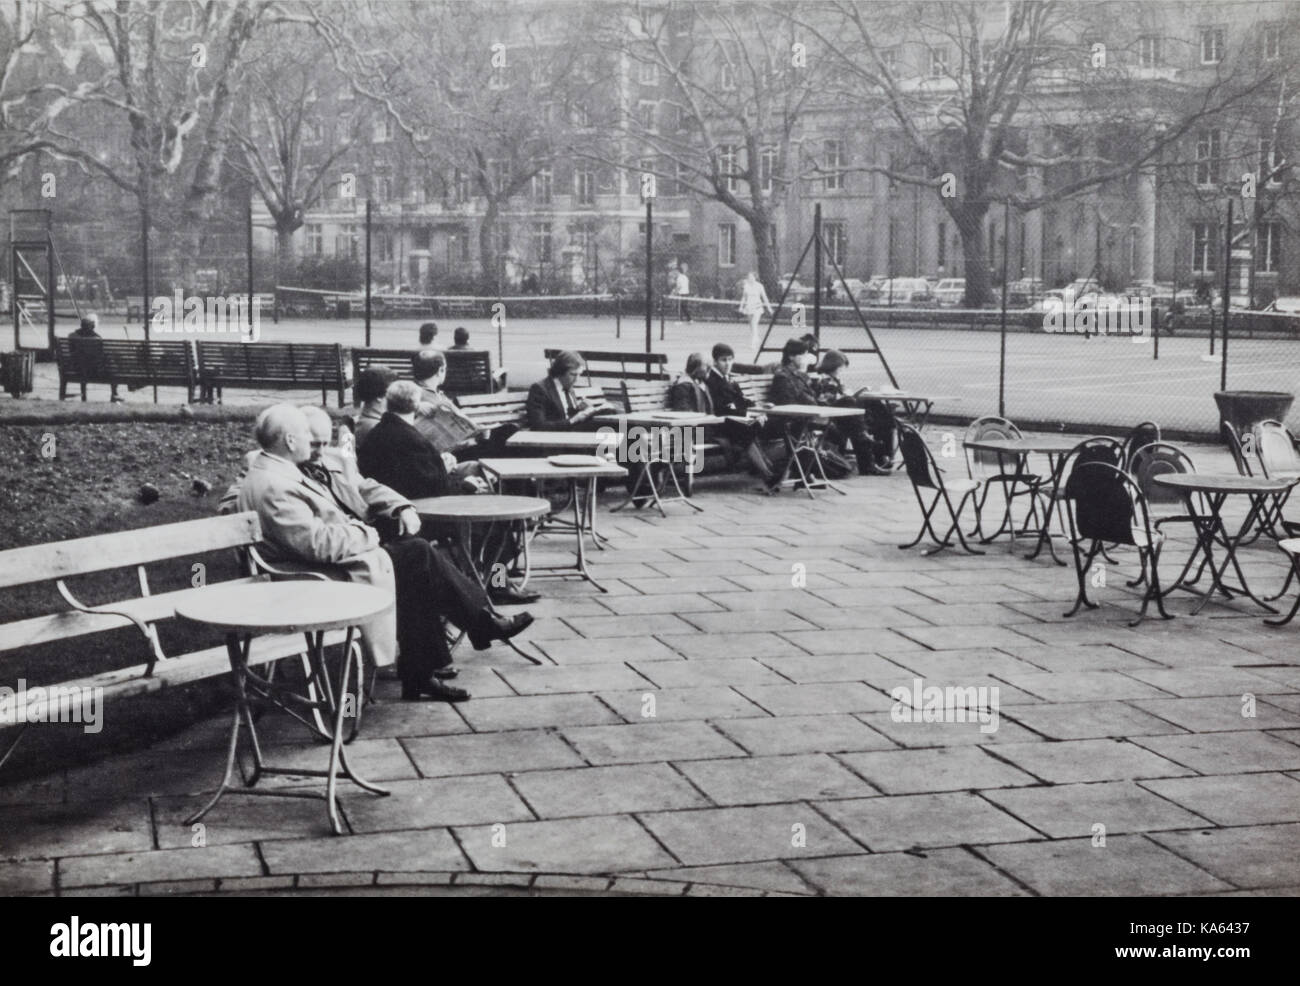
[
  {"x": 769, "y": 260},
  {"x": 285, "y": 227},
  {"x": 970, "y": 224},
  {"x": 488, "y": 264}
]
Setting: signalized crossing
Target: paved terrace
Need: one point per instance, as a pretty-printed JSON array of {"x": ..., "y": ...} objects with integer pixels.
[{"x": 771, "y": 763}]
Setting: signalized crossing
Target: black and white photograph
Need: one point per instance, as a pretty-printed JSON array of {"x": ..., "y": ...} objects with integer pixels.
[{"x": 559, "y": 448}]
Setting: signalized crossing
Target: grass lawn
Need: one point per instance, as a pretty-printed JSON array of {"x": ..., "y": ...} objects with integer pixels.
[{"x": 89, "y": 486}]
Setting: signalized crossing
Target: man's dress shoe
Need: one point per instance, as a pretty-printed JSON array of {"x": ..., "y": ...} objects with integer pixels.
[
  {"x": 510, "y": 596},
  {"x": 500, "y": 628},
  {"x": 435, "y": 690}
]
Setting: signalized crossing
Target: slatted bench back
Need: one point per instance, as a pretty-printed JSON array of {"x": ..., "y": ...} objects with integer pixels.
[
  {"x": 604, "y": 364},
  {"x": 757, "y": 388},
  {"x": 306, "y": 364},
  {"x": 651, "y": 396},
  {"x": 397, "y": 360},
  {"x": 163, "y": 362},
  {"x": 469, "y": 371},
  {"x": 510, "y": 406}
]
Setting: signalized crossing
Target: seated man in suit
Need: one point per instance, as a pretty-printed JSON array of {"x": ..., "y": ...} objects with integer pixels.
[
  {"x": 398, "y": 455},
  {"x": 371, "y": 389},
  {"x": 429, "y": 370},
  {"x": 314, "y": 514},
  {"x": 552, "y": 405},
  {"x": 743, "y": 432},
  {"x": 791, "y": 385}
]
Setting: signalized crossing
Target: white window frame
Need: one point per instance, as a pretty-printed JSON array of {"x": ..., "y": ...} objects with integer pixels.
[
  {"x": 382, "y": 132},
  {"x": 1268, "y": 245},
  {"x": 584, "y": 185},
  {"x": 1271, "y": 43},
  {"x": 729, "y": 164},
  {"x": 939, "y": 62},
  {"x": 1209, "y": 155},
  {"x": 837, "y": 240},
  {"x": 544, "y": 242},
  {"x": 1205, "y": 237},
  {"x": 1213, "y": 41},
  {"x": 544, "y": 186},
  {"x": 1268, "y": 162},
  {"x": 889, "y": 57},
  {"x": 648, "y": 74},
  {"x": 1148, "y": 51},
  {"x": 834, "y": 161},
  {"x": 726, "y": 244},
  {"x": 579, "y": 114},
  {"x": 647, "y": 115},
  {"x": 767, "y": 168},
  {"x": 315, "y": 239}
]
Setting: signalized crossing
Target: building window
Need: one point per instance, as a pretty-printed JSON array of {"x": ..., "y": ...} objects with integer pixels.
[
  {"x": 461, "y": 186},
  {"x": 1270, "y": 171},
  {"x": 312, "y": 132},
  {"x": 727, "y": 163},
  {"x": 942, "y": 243},
  {"x": 381, "y": 188},
  {"x": 383, "y": 131},
  {"x": 889, "y": 58},
  {"x": 542, "y": 242},
  {"x": 728, "y": 53},
  {"x": 1212, "y": 43},
  {"x": 499, "y": 78},
  {"x": 1272, "y": 42},
  {"x": 1207, "y": 157},
  {"x": 315, "y": 239},
  {"x": 345, "y": 242},
  {"x": 672, "y": 117},
  {"x": 584, "y": 186},
  {"x": 383, "y": 246},
  {"x": 726, "y": 244},
  {"x": 833, "y": 152},
  {"x": 543, "y": 186},
  {"x": 837, "y": 242},
  {"x": 345, "y": 94},
  {"x": 649, "y": 74},
  {"x": 646, "y": 112},
  {"x": 767, "y": 169},
  {"x": 1269, "y": 247},
  {"x": 1204, "y": 242},
  {"x": 938, "y": 63},
  {"x": 579, "y": 115},
  {"x": 1148, "y": 51}
]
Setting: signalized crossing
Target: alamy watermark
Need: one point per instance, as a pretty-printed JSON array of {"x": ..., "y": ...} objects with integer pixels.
[
  {"x": 57, "y": 703},
  {"x": 1105, "y": 316},
  {"x": 952, "y": 703},
  {"x": 657, "y": 443},
  {"x": 206, "y": 313}
]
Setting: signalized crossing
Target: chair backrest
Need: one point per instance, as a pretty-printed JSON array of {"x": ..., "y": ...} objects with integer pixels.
[
  {"x": 1105, "y": 504},
  {"x": 1231, "y": 439},
  {"x": 990, "y": 426},
  {"x": 1139, "y": 435},
  {"x": 918, "y": 459},
  {"x": 1099, "y": 448},
  {"x": 1159, "y": 459},
  {"x": 1275, "y": 448}
]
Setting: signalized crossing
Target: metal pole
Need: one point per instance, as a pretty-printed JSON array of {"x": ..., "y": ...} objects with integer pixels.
[
  {"x": 368, "y": 204},
  {"x": 249, "y": 245},
  {"x": 817, "y": 273},
  {"x": 1227, "y": 294},
  {"x": 649, "y": 278},
  {"x": 50, "y": 287},
  {"x": 144, "y": 247},
  {"x": 1002, "y": 354}
]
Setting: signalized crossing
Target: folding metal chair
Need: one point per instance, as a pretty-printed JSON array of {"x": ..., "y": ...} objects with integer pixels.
[
  {"x": 1275, "y": 449},
  {"x": 925, "y": 473},
  {"x": 1144, "y": 433},
  {"x": 1105, "y": 505}
]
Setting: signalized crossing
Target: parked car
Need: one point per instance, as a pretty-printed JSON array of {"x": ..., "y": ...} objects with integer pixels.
[
  {"x": 950, "y": 292},
  {"x": 1285, "y": 305},
  {"x": 901, "y": 291}
]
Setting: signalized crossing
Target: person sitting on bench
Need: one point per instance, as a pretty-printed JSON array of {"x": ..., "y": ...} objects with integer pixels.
[
  {"x": 87, "y": 330},
  {"x": 371, "y": 389},
  {"x": 552, "y": 405},
  {"x": 428, "y": 331},
  {"x": 307, "y": 515},
  {"x": 453, "y": 431},
  {"x": 879, "y": 415},
  {"x": 790, "y": 385},
  {"x": 741, "y": 432}
]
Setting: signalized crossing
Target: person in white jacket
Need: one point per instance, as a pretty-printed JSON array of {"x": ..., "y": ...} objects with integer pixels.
[{"x": 753, "y": 302}]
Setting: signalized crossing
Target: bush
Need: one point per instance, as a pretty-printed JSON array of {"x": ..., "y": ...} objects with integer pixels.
[{"x": 330, "y": 274}]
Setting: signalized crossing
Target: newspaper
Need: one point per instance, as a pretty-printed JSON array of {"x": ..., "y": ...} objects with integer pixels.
[{"x": 445, "y": 427}]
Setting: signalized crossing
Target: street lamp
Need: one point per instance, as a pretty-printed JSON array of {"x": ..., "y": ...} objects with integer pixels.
[{"x": 648, "y": 196}]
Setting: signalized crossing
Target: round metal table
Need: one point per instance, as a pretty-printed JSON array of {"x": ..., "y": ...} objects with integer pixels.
[{"x": 309, "y": 608}]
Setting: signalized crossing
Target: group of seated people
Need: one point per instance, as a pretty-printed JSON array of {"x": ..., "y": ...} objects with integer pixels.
[{"x": 349, "y": 510}]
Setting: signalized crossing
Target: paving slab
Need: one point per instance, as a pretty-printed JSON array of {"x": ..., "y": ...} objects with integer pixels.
[
  {"x": 868, "y": 641},
  {"x": 1220, "y": 714},
  {"x": 954, "y": 663},
  {"x": 237, "y": 819},
  {"x": 1067, "y": 811},
  {"x": 919, "y": 734},
  {"x": 695, "y": 672},
  {"x": 1254, "y": 856},
  {"x": 1126, "y": 866},
  {"x": 732, "y": 645},
  {"x": 1082, "y": 686},
  {"x": 936, "y": 873},
  {"x": 439, "y": 801},
  {"x": 1225, "y": 753},
  {"x": 1095, "y": 657},
  {"x": 803, "y": 734},
  {"x": 159, "y": 864},
  {"x": 584, "y": 678},
  {"x": 1088, "y": 720},
  {"x": 30, "y": 877},
  {"x": 667, "y": 704},
  {"x": 604, "y": 844},
  {"x": 763, "y": 779},
  {"x": 776, "y": 876},
  {"x": 1201, "y": 682},
  {"x": 953, "y": 768},
  {"x": 736, "y": 835},
  {"x": 669, "y": 602},
  {"x": 648, "y": 742},
  {"x": 75, "y": 829},
  {"x": 924, "y": 820},
  {"x": 603, "y": 650},
  {"x": 1073, "y": 761},
  {"x": 491, "y": 753},
  {"x": 431, "y": 849},
  {"x": 614, "y": 790},
  {"x": 531, "y": 711},
  {"x": 1236, "y": 799}
]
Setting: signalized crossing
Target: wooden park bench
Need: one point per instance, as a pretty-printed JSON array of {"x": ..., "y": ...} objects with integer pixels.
[
  {"x": 469, "y": 371},
  {"x": 150, "y": 669},
  {"x": 127, "y": 362},
  {"x": 273, "y": 365},
  {"x": 620, "y": 366},
  {"x": 509, "y": 406}
]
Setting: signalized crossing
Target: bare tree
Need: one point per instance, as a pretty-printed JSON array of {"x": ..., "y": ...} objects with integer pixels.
[
  {"x": 486, "y": 93},
  {"x": 729, "y": 128},
  {"x": 965, "y": 90}
]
